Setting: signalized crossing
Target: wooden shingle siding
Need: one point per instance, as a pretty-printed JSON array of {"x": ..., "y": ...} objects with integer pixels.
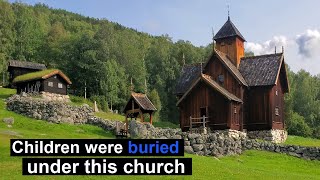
[{"x": 55, "y": 88}]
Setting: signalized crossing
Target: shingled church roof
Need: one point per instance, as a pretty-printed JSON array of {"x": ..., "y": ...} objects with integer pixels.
[
  {"x": 189, "y": 74},
  {"x": 212, "y": 83},
  {"x": 261, "y": 70},
  {"x": 228, "y": 30},
  {"x": 26, "y": 64},
  {"x": 228, "y": 64}
]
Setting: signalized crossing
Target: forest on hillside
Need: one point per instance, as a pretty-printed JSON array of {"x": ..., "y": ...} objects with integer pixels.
[{"x": 105, "y": 56}]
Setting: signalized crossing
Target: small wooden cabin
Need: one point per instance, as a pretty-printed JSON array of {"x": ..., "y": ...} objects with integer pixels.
[
  {"x": 50, "y": 80},
  {"x": 138, "y": 105},
  {"x": 17, "y": 68},
  {"x": 230, "y": 91}
]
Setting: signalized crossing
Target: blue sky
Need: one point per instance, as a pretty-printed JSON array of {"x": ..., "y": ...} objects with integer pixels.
[{"x": 293, "y": 24}]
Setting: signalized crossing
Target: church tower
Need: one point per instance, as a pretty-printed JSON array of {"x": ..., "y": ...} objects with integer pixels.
[{"x": 230, "y": 41}]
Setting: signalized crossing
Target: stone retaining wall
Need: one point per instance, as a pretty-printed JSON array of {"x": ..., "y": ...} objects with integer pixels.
[
  {"x": 55, "y": 97},
  {"x": 310, "y": 153},
  {"x": 216, "y": 143},
  {"x": 273, "y": 135},
  {"x": 52, "y": 111}
]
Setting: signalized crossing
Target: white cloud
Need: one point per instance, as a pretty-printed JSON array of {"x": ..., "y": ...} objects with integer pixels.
[
  {"x": 309, "y": 43},
  {"x": 301, "y": 51},
  {"x": 268, "y": 46}
]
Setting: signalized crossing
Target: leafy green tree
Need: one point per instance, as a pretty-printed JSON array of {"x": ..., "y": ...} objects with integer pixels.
[
  {"x": 298, "y": 126},
  {"x": 155, "y": 99},
  {"x": 7, "y": 36}
]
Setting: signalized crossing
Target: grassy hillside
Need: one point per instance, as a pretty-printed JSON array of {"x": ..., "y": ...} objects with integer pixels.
[{"x": 250, "y": 165}]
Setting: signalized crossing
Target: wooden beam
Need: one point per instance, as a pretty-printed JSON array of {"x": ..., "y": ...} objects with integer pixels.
[
  {"x": 133, "y": 111},
  {"x": 150, "y": 118},
  {"x": 126, "y": 121}
]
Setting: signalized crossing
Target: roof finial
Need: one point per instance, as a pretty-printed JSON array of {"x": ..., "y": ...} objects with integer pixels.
[
  {"x": 275, "y": 49},
  {"x": 131, "y": 87},
  {"x": 212, "y": 38},
  {"x": 145, "y": 86},
  {"x": 183, "y": 60},
  {"x": 282, "y": 49},
  {"x": 228, "y": 6},
  {"x": 201, "y": 67}
]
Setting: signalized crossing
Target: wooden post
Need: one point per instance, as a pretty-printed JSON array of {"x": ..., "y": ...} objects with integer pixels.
[
  {"x": 190, "y": 125},
  {"x": 229, "y": 123},
  {"x": 150, "y": 118},
  {"x": 85, "y": 90},
  {"x": 126, "y": 121},
  {"x": 141, "y": 116},
  {"x": 204, "y": 121}
]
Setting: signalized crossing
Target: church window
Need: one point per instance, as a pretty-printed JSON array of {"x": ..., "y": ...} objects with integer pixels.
[
  {"x": 220, "y": 79},
  {"x": 277, "y": 111}
]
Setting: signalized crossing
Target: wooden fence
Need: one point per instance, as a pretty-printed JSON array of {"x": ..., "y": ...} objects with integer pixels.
[{"x": 198, "y": 124}]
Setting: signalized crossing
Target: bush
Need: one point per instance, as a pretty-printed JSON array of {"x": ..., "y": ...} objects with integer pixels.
[{"x": 297, "y": 126}]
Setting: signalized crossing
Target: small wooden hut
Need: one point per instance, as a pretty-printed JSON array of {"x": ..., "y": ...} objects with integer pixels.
[
  {"x": 18, "y": 68},
  {"x": 138, "y": 105},
  {"x": 49, "y": 80}
]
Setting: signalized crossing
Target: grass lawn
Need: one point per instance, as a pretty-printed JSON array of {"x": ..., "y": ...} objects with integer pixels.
[
  {"x": 302, "y": 141},
  {"x": 249, "y": 165},
  {"x": 119, "y": 117}
]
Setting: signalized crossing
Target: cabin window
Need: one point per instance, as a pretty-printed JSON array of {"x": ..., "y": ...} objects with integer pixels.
[
  {"x": 235, "y": 110},
  {"x": 276, "y": 92},
  {"x": 60, "y": 85},
  {"x": 277, "y": 111},
  {"x": 50, "y": 84},
  {"x": 55, "y": 76},
  {"x": 220, "y": 79}
]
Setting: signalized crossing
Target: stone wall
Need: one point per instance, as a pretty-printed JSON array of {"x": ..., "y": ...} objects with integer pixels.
[
  {"x": 310, "y": 153},
  {"x": 273, "y": 135},
  {"x": 216, "y": 143},
  {"x": 221, "y": 143},
  {"x": 54, "y": 97},
  {"x": 52, "y": 111}
]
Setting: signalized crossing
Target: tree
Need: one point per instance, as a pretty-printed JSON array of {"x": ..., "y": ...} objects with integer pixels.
[
  {"x": 114, "y": 83},
  {"x": 155, "y": 99},
  {"x": 7, "y": 36},
  {"x": 298, "y": 126}
]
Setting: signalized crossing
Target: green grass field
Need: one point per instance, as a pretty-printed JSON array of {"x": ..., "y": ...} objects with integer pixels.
[
  {"x": 302, "y": 141},
  {"x": 249, "y": 165}
]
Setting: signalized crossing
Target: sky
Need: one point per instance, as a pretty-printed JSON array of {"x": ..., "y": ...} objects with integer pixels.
[{"x": 293, "y": 24}]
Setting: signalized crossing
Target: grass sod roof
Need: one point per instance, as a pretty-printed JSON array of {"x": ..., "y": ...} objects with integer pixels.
[{"x": 44, "y": 74}]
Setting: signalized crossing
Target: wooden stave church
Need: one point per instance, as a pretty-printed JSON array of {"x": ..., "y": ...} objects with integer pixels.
[{"x": 233, "y": 91}]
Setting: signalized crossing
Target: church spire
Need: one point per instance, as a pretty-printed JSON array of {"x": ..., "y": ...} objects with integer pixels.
[{"x": 228, "y": 5}]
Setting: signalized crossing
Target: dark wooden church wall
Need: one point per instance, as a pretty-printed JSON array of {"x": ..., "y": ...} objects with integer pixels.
[
  {"x": 202, "y": 96},
  {"x": 236, "y": 115},
  {"x": 192, "y": 103},
  {"x": 258, "y": 110},
  {"x": 277, "y": 96},
  {"x": 218, "y": 111},
  {"x": 215, "y": 68}
]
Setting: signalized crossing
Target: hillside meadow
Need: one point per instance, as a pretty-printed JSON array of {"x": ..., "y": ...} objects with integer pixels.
[{"x": 250, "y": 165}]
